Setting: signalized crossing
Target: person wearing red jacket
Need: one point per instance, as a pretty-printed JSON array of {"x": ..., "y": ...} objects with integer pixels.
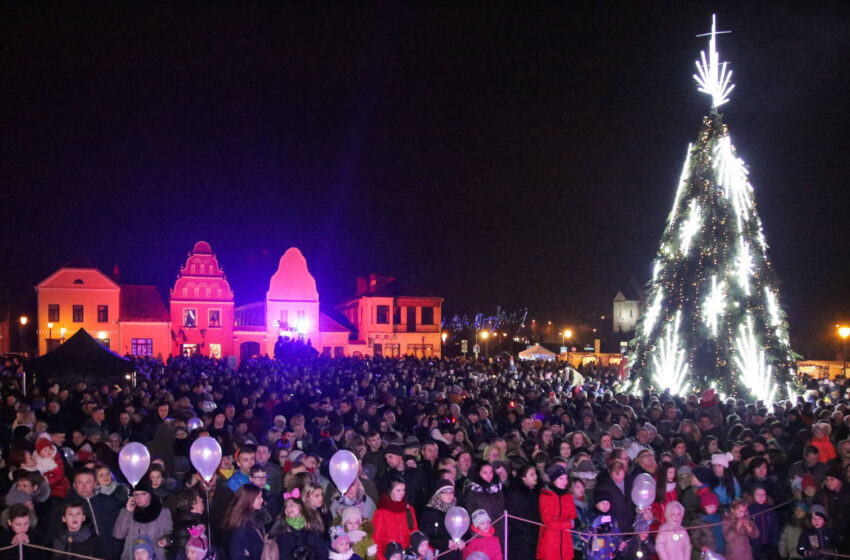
[
  {"x": 557, "y": 511},
  {"x": 394, "y": 520}
]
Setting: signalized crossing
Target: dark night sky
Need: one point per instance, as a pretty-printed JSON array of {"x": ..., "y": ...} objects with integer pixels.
[{"x": 497, "y": 154}]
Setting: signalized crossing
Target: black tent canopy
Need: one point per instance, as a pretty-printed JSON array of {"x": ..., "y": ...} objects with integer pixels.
[{"x": 80, "y": 356}]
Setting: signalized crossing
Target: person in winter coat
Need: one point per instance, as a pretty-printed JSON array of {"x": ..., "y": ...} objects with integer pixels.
[
  {"x": 601, "y": 544},
  {"x": 420, "y": 548},
  {"x": 77, "y": 536},
  {"x": 394, "y": 520},
  {"x": 18, "y": 530},
  {"x": 767, "y": 522},
  {"x": 354, "y": 496},
  {"x": 584, "y": 512},
  {"x": 738, "y": 529},
  {"x": 101, "y": 511},
  {"x": 557, "y": 513},
  {"x": 817, "y": 541},
  {"x": 792, "y": 530},
  {"x": 619, "y": 490},
  {"x": 143, "y": 515},
  {"x": 243, "y": 521},
  {"x": 360, "y": 533},
  {"x": 341, "y": 545},
  {"x": 298, "y": 529},
  {"x": 640, "y": 546},
  {"x": 727, "y": 488},
  {"x": 522, "y": 499},
  {"x": 834, "y": 498},
  {"x": 672, "y": 541},
  {"x": 432, "y": 522},
  {"x": 51, "y": 466},
  {"x": 711, "y": 537},
  {"x": 485, "y": 539},
  {"x": 484, "y": 491},
  {"x": 188, "y": 512}
]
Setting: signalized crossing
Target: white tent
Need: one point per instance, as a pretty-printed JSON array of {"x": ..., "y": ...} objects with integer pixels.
[{"x": 537, "y": 352}]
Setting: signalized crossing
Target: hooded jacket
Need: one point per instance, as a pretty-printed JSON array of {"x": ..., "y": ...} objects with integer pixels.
[{"x": 557, "y": 512}]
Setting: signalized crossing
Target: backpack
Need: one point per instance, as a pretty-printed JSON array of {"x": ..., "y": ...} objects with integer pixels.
[{"x": 270, "y": 548}]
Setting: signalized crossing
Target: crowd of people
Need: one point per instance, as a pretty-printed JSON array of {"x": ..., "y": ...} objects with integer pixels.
[{"x": 560, "y": 453}]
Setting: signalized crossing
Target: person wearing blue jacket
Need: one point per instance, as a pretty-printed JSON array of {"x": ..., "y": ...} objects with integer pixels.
[{"x": 767, "y": 522}]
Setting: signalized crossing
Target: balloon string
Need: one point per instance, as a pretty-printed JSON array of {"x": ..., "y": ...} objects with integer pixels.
[
  {"x": 472, "y": 537},
  {"x": 632, "y": 533}
]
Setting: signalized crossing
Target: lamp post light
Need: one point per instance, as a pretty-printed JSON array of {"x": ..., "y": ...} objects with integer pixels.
[
  {"x": 49, "y": 334},
  {"x": 62, "y": 334},
  {"x": 486, "y": 336},
  {"x": 568, "y": 334},
  {"x": 22, "y": 323},
  {"x": 844, "y": 332},
  {"x": 443, "y": 337}
]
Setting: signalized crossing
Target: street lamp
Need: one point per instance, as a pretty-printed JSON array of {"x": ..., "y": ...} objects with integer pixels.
[
  {"x": 568, "y": 334},
  {"x": 486, "y": 336},
  {"x": 23, "y": 323},
  {"x": 62, "y": 333},
  {"x": 49, "y": 334},
  {"x": 844, "y": 332}
]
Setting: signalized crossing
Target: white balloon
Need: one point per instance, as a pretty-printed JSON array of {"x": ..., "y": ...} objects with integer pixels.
[
  {"x": 344, "y": 469},
  {"x": 205, "y": 455},
  {"x": 194, "y": 424},
  {"x": 134, "y": 460},
  {"x": 457, "y": 523},
  {"x": 643, "y": 490}
]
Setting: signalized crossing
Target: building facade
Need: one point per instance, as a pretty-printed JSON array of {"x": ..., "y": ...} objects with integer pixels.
[
  {"x": 393, "y": 319},
  {"x": 202, "y": 307}
]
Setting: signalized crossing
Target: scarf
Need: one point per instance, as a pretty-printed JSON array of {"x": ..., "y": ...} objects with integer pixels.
[
  {"x": 438, "y": 504},
  {"x": 150, "y": 513},
  {"x": 387, "y": 503},
  {"x": 488, "y": 533},
  {"x": 356, "y": 536},
  {"x": 334, "y": 555},
  {"x": 109, "y": 488},
  {"x": 82, "y": 535},
  {"x": 296, "y": 523}
]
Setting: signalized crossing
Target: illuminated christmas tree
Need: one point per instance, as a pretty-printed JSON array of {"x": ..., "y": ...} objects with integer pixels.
[{"x": 713, "y": 318}]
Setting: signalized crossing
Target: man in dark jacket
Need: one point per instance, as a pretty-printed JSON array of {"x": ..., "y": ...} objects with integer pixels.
[
  {"x": 834, "y": 498},
  {"x": 99, "y": 510},
  {"x": 619, "y": 490}
]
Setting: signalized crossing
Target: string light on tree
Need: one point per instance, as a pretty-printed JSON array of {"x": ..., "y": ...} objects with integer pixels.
[{"x": 713, "y": 289}]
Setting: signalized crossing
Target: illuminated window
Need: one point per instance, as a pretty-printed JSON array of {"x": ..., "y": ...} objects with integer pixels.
[
  {"x": 378, "y": 350},
  {"x": 141, "y": 347},
  {"x": 382, "y": 315},
  {"x": 102, "y": 313},
  {"x": 53, "y": 312},
  {"x": 190, "y": 349},
  {"x": 77, "y": 315},
  {"x": 300, "y": 315},
  {"x": 190, "y": 318},
  {"x": 215, "y": 351},
  {"x": 284, "y": 317},
  {"x": 214, "y": 318},
  {"x": 427, "y": 315}
]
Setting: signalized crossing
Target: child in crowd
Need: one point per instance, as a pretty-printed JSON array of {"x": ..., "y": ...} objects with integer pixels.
[
  {"x": 672, "y": 541},
  {"x": 818, "y": 541},
  {"x": 767, "y": 521},
  {"x": 738, "y": 529},
  {"x": 486, "y": 540},
  {"x": 198, "y": 545},
  {"x": 143, "y": 549},
  {"x": 77, "y": 536},
  {"x": 792, "y": 530},
  {"x": 419, "y": 549},
  {"x": 51, "y": 467},
  {"x": 19, "y": 531},
  {"x": 639, "y": 546},
  {"x": 341, "y": 545},
  {"x": 29, "y": 488},
  {"x": 600, "y": 545},
  {"x": 710, "y": 538},
  {"x": 393, "y": 551}
]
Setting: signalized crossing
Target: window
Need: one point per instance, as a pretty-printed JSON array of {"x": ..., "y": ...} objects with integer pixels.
[
  {"x": 396, "y": 315},
  {"x": 284, "y": 318},
  {"x": 53, "y": 312},
  {"x": 427, "y": 315},
  {"x": 102, "y": 313},
  {"x": 141, "y": 347},
  {"x": 77, "y": 314},
  {"x": 392, "y": 350},
  {"x": 78, "y": 281},
  {"x": 300, "y": 315},
  {"x": 215, "y": 351},
  {"x": 326, "y": 351},
  {"x": 378, "y": 350},
  {"x": 383, "y": 315},
  {"x": 338, "y": 352},
  {"x": 214, "y": 318},
  {"x": 190, "y": 318},
  {"x": 190, "y": 349}
]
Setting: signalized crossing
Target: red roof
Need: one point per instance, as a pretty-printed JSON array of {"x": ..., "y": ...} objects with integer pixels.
[{"x": 142, "y": 304}]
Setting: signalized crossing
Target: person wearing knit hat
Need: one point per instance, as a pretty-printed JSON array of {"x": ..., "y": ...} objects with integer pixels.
[
  {"x": 485, "y": 539},
  {"x": 198, "y": 545},
  {"x": 143, "y": 549},
  {"x": 709, "y": 533},
  {"x": 808, "y": 485},
  {"x": 341, "y": 545},
  {"x": 817, "y": 541},
  {"x": 51, "y": 466},
  {"x": 601, "y": 545},
  {"x": 703, "y": 476},
  {"x": 393, "y": 551},
  {"x": 420, "y": 548},
  {"x": 556, "y": 471},
  {"x": 639, "y": 546},
  {"x": 359, "y": 532}
]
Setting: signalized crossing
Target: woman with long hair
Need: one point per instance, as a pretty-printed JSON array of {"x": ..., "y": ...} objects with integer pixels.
[
  {"x": 314, "y": 499},
  {"x": 727, "y": 489},
  {"x": 666, "y": 490},
  {"x": 298, "y": 529},
  {"x": 243, "y": 520},
  {"x": 394, "y": 520},
  {"x": 433, "y": 521},
  {"x": 522, "y": 500}
]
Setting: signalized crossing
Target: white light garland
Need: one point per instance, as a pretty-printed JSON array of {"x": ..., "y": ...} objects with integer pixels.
[
  {"x": 744, "y": 266},
  {"x": 712, "y": 76},
  {"x": 691, "y": 226},
  {"x": 754, "y": 372},
  {"x": 670, "y": 360},
  {"x": 652, "y": 313},
  {"x": 715, "y": 305},
  {"x": 683, "y": 181},
  {"x": 772, "y": 308},
  {"x": 732, "y": 178},
  {"x": 656, "y": 270}
]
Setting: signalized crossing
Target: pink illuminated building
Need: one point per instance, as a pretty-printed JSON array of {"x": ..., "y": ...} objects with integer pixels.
[{"x": 202, "y": 307}]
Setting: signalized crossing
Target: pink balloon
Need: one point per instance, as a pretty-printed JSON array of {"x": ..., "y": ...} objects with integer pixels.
[
  {"x": 344, "y": 469},
  {"x": 478, "y": 555},
  {"x": 643, "y": 490},
  {"x": 205, "y": 455},
  {"x": 457, "y": 523},
  {"x": 134, "y": 460}
]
